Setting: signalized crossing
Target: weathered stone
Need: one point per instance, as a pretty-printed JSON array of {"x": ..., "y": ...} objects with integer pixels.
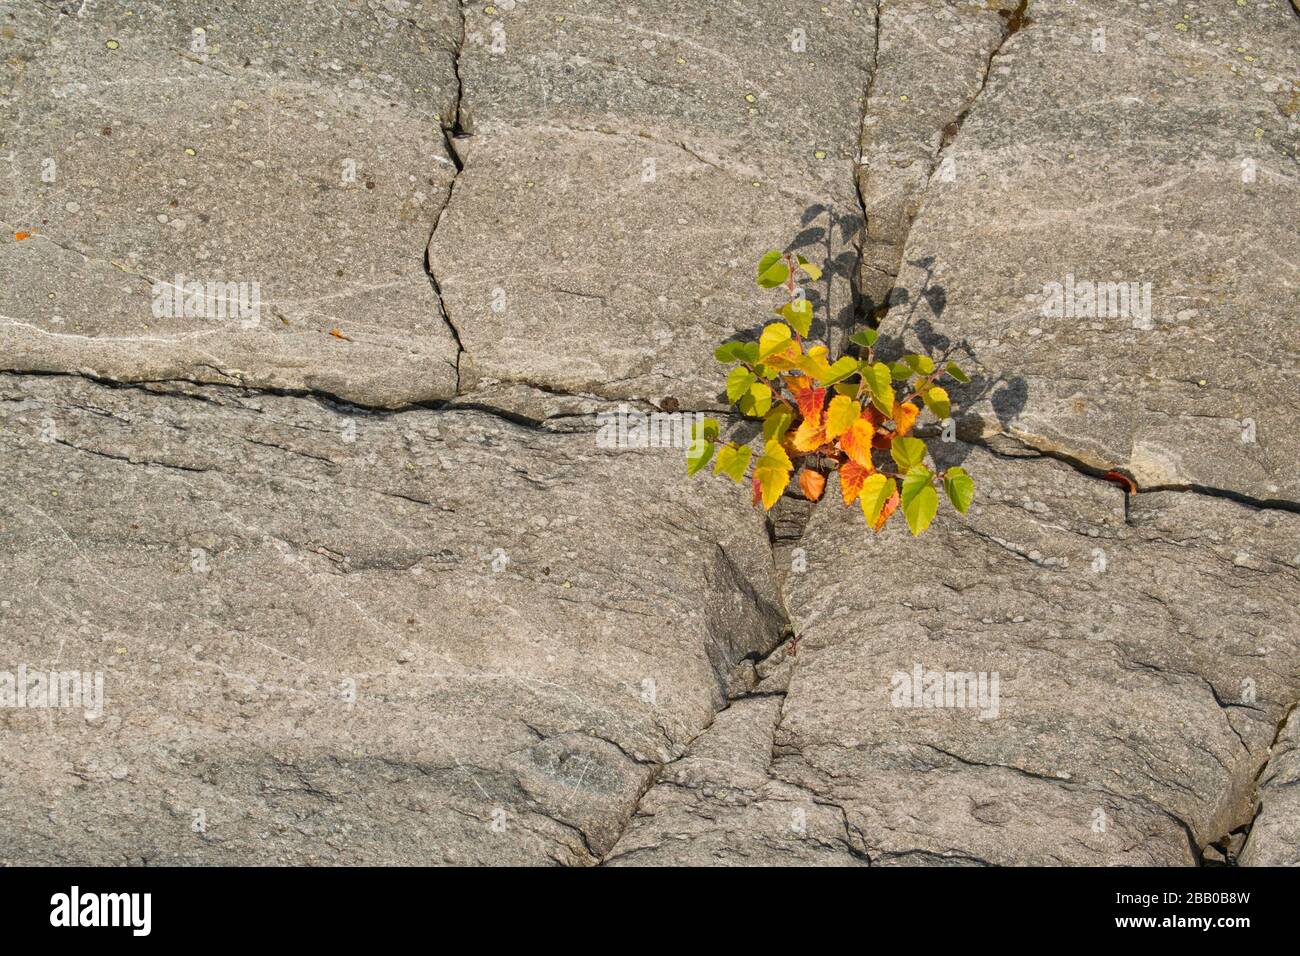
[
  {"x": 1143, "y": 663},
  {"x": 245, "y": 145},
  {"x": 1275, "y": 836},
  {"x": 628, "y": 167},
  {"x": 424, "y": 614},
  {"x": 344, "y": 636},
  {"x": 719, "y": 806},
  {"x": 931, "y": 62},
  {"x": 1127, "y": 143}
]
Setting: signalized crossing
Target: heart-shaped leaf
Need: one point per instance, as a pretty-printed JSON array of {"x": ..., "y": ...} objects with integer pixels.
[{"x": 920, "y": 500}]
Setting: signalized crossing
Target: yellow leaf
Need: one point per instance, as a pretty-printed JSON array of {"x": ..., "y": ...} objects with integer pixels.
[
  {"x": 810, "y": 435},
  {"x": 775, "y": 337},
  {"x": 815, "y": 364},
  {"x": 936, "y": 399},
  {"x": 841, "y": 415},
  {"x": 772, "y": 473},
  {"x": 874, "y": 493}
]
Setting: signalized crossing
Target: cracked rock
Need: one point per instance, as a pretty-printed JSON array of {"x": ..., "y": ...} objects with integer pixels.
[
  {"x": 1146, "y": 149},
  {"x": 247, "y": 571},
  {"x": 286, "y": 165},
  {"x": 1275, "y": 835},
  {"x": 1141, "y": 667},
  {"x": 625, "y": 177},
  {"x": 719, "y": 805}
]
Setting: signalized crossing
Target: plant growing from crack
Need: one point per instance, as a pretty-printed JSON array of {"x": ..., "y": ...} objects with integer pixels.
[{"x": 855, "y": 415}]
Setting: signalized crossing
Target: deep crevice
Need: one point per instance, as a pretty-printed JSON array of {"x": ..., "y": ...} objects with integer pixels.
[
  {"x": 451, "y": 132},
  {"x": 326, "y": 399},
  {"x": 1015, "y": 21}
]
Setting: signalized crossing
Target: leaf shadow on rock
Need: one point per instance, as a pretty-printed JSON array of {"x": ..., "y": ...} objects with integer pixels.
[
  {"x": 816, "y": 241},
  {"x": 1006, "y": 394}
]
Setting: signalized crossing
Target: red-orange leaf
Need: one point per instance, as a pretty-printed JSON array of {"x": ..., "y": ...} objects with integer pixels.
[
  {"x": 852, "y": 475},
  {"x": 810, "y": 399},
  {"x": 812, "y": 484}
]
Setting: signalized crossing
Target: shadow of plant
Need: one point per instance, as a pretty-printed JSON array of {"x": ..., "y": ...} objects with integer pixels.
[{"x": 1006, "y": 394}]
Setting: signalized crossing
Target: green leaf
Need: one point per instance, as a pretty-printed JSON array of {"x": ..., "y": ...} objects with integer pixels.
[
  {"x": 729, "y": 352},
  {"x": 899, "y": 372},
  {"x": 777, "y": 423},
  {"x": 732, "y": 462},
  {"x": 707, "y": 429},
  {"x": 866, "y": 338},
  {"x": 847, "y": 388},
  {"x": 882, "y": 391},
  {"x": 908, "y": 452},
  {"x": 772, "y": 271},
  {"x": 919, "y": 499},
  {"x": 738, "y": 382},
  {"x": 841, "y": 370},
  {"x": 775, "y": 337},
  {"x": 920, "y": 364},
  {"x": 698, "y": 454},
  {"x": 842, "y": 413},
  {"x": 799, "y": 314},
  {"x": 957, "y": 373},
  {"x": 757, "y": 401},
  {"x": 936, "y": 399},
  {"x": 959, "y": 487},
  {"x": 876, "y": 490},
  {"x": 813, "y": 271},
  {"x": 749, "y": 352}
]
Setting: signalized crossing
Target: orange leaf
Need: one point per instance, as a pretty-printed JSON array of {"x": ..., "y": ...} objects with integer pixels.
[
  {"x": 812, "y": 484},
  {"x": 811, "y": 435},
  {"x": 905, "y": 416},
  {"x": 890, "y": 507},
  {"x": 852, "y": 475},
  {"x": 856, "y": 442},
  {"x": 20, "y": 236},
  {"x": 758, "y": 491}
]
